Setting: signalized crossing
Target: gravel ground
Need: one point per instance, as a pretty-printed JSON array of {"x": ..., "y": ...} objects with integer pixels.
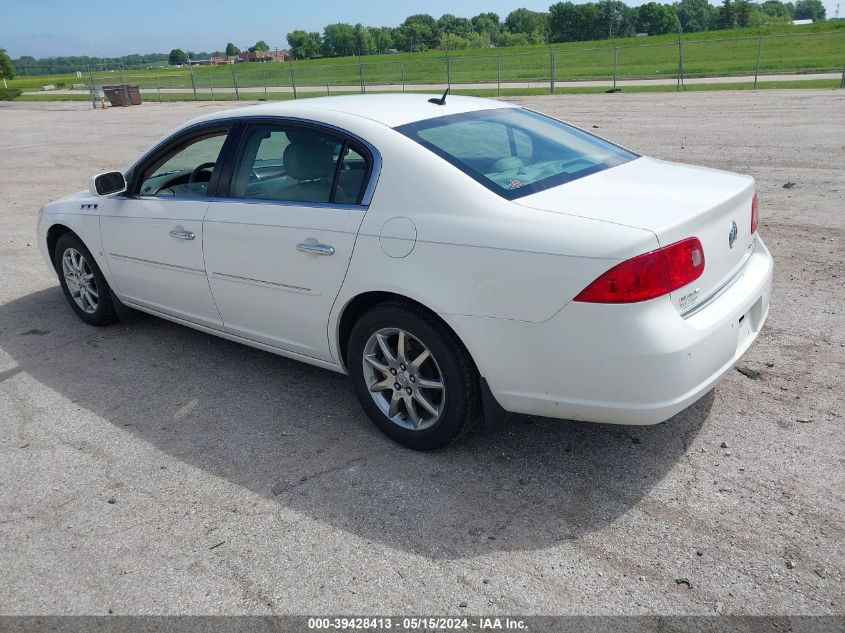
[{"x": 148, "y": 468}]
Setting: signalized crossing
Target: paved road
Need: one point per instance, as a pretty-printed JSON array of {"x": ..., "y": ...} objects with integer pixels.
[
  {"x": 435, "y": 87},
  {"x": 247, "y": 483}
]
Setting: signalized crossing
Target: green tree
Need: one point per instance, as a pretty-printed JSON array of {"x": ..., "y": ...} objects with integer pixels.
[
  {"x": 777, "y": 10},
  {"x": 696, "y": 15},
  {"x": 364, "y": 42},
  {"x": 569, "y": 22},
  {"x": 656, "y": 19},
  {"x": 743, "y": 13},
  {"x": 7, "y": 71},
  {"x": 616, "y": 19},
  {"x": 304, "y": 45},
  {"x": 231, "y": 49},
  {"x": 417, "y": 33},
  {"x": 382, "y": 38},
  {"x": 177, "y": 57},
  {"x": 260, "y": 47},
  {"x": 809, "y": 10},
  {"x": 526, "y": 21},
  {"x": 339, "y": 40},
  {"x": 487, "y": 24},
  {"x": 453, "y": 25},
  {"x": 727, "y": 15}
]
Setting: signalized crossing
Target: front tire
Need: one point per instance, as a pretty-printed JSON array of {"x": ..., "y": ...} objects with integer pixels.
[
  {"x": 82, "y": 282},
  {"x": 413, "y": 376}
]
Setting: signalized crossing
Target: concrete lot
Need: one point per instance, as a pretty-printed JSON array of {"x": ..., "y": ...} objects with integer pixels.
[{"x": 149, "y": 468}]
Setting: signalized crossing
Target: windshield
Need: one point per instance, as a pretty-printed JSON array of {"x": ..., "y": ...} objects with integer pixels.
[{"x": 516, "y": 152}]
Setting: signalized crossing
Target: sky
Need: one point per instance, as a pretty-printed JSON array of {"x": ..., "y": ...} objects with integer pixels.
[{"x": 110, "y": 28}]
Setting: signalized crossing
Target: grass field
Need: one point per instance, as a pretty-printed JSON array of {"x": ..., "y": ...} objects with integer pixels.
[{"x": 812, "y": 48}]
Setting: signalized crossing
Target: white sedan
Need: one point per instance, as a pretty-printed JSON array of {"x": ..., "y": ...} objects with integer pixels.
[{"x": 458, "y": 259}]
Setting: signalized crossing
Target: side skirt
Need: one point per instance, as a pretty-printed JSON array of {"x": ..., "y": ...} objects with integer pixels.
[{"x": 239, "y": 339}]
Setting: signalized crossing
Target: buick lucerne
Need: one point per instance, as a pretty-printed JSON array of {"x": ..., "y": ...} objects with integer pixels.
[{"x": 459, "y": 258}]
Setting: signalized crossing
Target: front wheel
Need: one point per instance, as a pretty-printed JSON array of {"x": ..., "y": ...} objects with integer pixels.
[
  {"x": 413, "y": 376},
  {"x": 82, "y": 281}
]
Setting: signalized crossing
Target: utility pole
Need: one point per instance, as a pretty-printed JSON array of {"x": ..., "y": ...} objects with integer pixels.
[
  {"x": 91, "y": 85},
  {"x": 193, "y": 83},
  {"x": 448, "y": 61},
  {"x": 125, "y": 89},
  {"x": 680, "y": 58},
  {"x": 293, "y": 78},
  {"x": 235, "y": 84},
  {"x": 615, "y": 65},
  {"x": 498, "y": 74}
]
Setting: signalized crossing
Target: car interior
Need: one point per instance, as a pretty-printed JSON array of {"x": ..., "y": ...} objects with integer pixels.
[{"x": 274, "y": 163}]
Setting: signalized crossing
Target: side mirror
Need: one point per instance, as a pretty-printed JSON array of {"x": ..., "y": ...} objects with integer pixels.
[{"x": 107, "y": 184}]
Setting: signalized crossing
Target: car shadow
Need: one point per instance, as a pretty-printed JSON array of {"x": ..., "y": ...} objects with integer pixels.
[{"x": 296, "y": 434}]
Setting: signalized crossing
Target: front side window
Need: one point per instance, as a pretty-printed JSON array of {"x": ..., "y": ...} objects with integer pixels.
[
  {"x": 187, "y": 170},
  {"x": 515, "y": 152},
  {"x": 291, "y": 163}
]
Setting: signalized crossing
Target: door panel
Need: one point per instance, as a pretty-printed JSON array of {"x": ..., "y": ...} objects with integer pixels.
[
  {"x": 265, "y": 285},
  {"x": 152, "y": 266},
  {"x": 153, "y": 235}
]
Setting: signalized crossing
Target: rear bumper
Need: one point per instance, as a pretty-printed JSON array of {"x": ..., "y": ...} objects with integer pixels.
[{"x": 624, "y": 364}]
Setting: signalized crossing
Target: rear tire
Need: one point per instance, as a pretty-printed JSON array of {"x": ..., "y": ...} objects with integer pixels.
[
  {"x": 83, "y": 284},
  {"x": 413, "y": 376}
]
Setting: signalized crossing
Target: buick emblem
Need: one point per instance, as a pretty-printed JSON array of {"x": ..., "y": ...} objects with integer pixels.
[{"x": 732, "y": 234}]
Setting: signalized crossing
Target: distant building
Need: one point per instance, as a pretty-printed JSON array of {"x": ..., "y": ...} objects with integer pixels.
[
  {"x": 800, "y": 22},
  {"x": 263, "y": 56},
  {"x": 218, "y": 59}
]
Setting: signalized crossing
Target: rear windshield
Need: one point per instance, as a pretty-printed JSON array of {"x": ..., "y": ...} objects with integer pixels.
[{"x": 516, "y": 152}]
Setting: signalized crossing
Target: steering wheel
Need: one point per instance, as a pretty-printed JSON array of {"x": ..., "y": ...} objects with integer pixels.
[{"x": 198, "y": 169}]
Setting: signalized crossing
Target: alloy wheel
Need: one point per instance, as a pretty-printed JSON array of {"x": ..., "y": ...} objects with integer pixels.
[
  {"x": 80, "y": 280},
  {"x": 404, "y": 379}
]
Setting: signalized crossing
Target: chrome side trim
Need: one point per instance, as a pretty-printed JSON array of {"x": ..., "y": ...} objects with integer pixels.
[
  {"x": 150, "y": 262},
  {"x": 341, "y": 206},
  {"x": 266, "y": 284}
]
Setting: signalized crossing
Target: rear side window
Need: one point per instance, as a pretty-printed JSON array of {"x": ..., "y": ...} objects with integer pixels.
[
  {"x": 516, "y": 152},
  {"x": 294, "y": 163}
]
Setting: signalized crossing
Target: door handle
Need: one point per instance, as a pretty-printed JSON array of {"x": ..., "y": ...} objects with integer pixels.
[
  {"x": 183, "y": 235},
  {"x": 315, "y": 248}
]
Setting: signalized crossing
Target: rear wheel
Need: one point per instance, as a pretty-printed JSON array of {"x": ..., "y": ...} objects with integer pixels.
[
  {"x": 83, "y": 284},
  {"x": 412, "y": 376}
]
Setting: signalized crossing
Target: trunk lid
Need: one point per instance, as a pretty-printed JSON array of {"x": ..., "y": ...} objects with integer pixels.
[{"x": 674, "y": 201}]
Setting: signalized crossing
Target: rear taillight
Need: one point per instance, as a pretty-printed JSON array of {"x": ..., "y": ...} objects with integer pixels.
[
  {"x": 754, "y": 205},
  {"x": 649, "y": 275}
]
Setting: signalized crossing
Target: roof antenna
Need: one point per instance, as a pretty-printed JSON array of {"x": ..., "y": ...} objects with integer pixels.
[{"x": 441, "y": 100}]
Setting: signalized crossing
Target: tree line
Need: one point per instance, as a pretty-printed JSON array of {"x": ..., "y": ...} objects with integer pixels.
[{"x": 563, "y": 22}]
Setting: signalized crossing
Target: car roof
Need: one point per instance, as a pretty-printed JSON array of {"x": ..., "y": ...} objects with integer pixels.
[{"x": 391, "y": 110}]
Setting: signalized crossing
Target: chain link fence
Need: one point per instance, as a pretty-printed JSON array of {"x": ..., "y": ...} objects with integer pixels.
[{"x": 735, "y": 60}]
